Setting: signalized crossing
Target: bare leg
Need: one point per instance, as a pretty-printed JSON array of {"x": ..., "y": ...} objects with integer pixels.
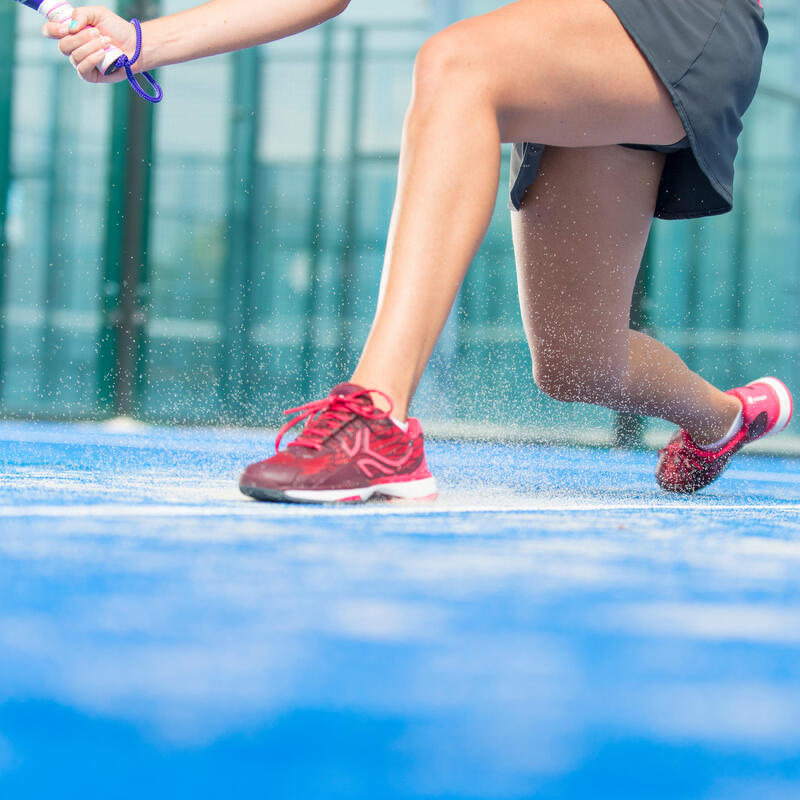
[
  {"x": 579, "y": 240},
  {"x": 500, "y": 77}
]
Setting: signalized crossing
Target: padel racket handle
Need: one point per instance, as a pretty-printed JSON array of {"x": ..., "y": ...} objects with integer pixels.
[{"x": 61, "y": 11}]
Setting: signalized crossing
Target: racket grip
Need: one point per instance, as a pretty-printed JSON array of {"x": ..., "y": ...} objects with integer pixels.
[
  {"x": 109, "y": 62},
  {"x": 60, "y": 11}
]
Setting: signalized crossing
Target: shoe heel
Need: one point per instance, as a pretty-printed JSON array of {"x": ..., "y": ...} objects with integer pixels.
[{"x": 784, "y": 401}]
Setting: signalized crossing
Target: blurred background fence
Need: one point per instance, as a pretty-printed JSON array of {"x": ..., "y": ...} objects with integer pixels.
[{"x": 216, "y": 259}]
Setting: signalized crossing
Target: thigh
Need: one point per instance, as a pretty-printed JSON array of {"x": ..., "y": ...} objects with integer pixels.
[
  {"x": 579, "y": 239},
  {"x": 564, "y": 72}
]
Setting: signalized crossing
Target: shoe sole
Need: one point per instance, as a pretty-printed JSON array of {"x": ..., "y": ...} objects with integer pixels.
[
  {"x": 424, "y": 489},
  {"x": 784, "y": 401}
]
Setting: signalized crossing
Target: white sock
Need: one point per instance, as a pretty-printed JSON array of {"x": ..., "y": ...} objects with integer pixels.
[
  {"x": 728, "y": 437},
  {"x": 402, "y": 425}
]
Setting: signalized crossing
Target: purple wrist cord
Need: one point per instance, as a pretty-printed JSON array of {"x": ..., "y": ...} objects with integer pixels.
[{"x": 127, "y": 63}]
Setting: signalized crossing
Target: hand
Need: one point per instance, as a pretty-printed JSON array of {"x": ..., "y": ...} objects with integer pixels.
[{"x": 82, "y": 40}]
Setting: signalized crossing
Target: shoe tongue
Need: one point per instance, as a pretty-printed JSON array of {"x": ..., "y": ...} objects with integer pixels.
[
  {"x": 325, "y": 420},
  {"x": 346, "y": 389}
]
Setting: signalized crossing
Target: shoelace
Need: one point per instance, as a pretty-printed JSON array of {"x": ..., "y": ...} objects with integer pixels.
[
  {"x": 326, "y": 416},
  {"x": 127, "y": 63}
]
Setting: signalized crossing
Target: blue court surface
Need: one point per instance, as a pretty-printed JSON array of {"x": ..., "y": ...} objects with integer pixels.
[{"x": 554, "y": 627}]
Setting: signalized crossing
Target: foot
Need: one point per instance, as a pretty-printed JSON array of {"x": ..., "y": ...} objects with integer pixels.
[
  {"x": 683, "y": 467},
  {"x": 349, "y": 451}
]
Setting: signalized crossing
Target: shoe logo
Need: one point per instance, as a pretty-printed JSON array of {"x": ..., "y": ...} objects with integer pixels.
[
  {"x": 352, "y": 448},
  {"x": 757, "y": 399},
  {"x": 372, "y": 462}
]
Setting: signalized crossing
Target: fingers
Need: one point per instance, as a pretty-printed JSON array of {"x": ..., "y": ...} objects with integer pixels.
[
  {"x": 81, "y": 19},
  {"x": 69, "y": 44},
  {"x": 87, "y": 68},
  {"x": 86, "y": 50},
  {"x": 88, "y": 37},
  {"x": 95, "y": 45},
  {"x": 81, "y": 39},
  {"x": 58, "y": 30}
]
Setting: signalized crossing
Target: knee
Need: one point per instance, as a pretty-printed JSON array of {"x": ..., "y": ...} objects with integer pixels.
[
  {"x": 562, "y": 384},
  {"x": 446, "y": 67},
  {"x": 576, "y": 377}
]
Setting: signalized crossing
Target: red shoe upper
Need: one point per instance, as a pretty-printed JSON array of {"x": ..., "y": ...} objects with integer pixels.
[
  {"x": 347, "y": 443},
  {"x": 683, "y": 467}
]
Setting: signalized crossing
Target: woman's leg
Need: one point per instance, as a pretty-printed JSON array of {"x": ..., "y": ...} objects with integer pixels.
[
  {"x": 579, "y": 240},
  {"x": 563, "y": 73}
]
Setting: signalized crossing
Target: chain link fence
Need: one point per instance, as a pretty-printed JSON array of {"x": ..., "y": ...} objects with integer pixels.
[{"x": 217, "y": 259}]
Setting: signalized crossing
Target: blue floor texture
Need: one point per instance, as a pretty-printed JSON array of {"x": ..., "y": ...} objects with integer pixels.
[{"x": 554, "y": 627}]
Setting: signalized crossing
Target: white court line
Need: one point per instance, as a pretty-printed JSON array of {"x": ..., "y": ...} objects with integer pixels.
[
  {"x": 103, "y": 435},
  {"x": 277, "y": 511}
]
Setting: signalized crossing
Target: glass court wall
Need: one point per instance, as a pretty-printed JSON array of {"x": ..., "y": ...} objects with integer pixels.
[{"x": 217, "y": 259}]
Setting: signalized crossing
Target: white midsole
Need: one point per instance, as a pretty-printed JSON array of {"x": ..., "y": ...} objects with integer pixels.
[
  {"x": 785, "y": 402},
  {"x": 406, "y": 490}
]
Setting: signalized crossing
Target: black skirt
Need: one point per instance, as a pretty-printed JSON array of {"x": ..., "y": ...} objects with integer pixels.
[{"x": 708, "y": 55}]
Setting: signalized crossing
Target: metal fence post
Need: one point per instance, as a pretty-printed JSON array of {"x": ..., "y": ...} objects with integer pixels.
[
  {"x": 316, "y": 217},
  {"x": 8, "y": 19},
  {"x": 54, "y": 275},
  {"x": 125, "y": 279},
  {"x": 352, "y": 210},
  {"x": 241, "y": 230}
]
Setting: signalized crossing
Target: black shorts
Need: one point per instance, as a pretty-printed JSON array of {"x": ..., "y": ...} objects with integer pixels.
[{"x": 708, "y": 55}]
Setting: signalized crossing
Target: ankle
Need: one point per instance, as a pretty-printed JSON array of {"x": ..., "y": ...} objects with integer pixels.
[
  {"x": 396, "y": 409},
  {"x": 713, "y": 434}
]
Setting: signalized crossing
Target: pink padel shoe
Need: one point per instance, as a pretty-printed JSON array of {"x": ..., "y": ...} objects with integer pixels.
[
  {"x": 684, "y": 468},
  {"x": 349, "y": 451}
]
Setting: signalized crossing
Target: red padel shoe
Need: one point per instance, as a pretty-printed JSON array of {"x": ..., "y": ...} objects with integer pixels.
[
  {"x": 684, "y": 467},
  {"x": 349, "y": 451}
]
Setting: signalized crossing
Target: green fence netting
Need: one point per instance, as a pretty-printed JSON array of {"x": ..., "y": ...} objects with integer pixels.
[{"x": 218, "y": 260}]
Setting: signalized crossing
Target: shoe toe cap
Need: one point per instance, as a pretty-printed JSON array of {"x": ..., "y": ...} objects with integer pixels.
[{"x": 273, "y": 473}]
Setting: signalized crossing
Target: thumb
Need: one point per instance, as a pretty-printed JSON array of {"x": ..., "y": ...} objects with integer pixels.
[
  {"x": 81, "y": 18},
  {"x": 87, "y": 15}
]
